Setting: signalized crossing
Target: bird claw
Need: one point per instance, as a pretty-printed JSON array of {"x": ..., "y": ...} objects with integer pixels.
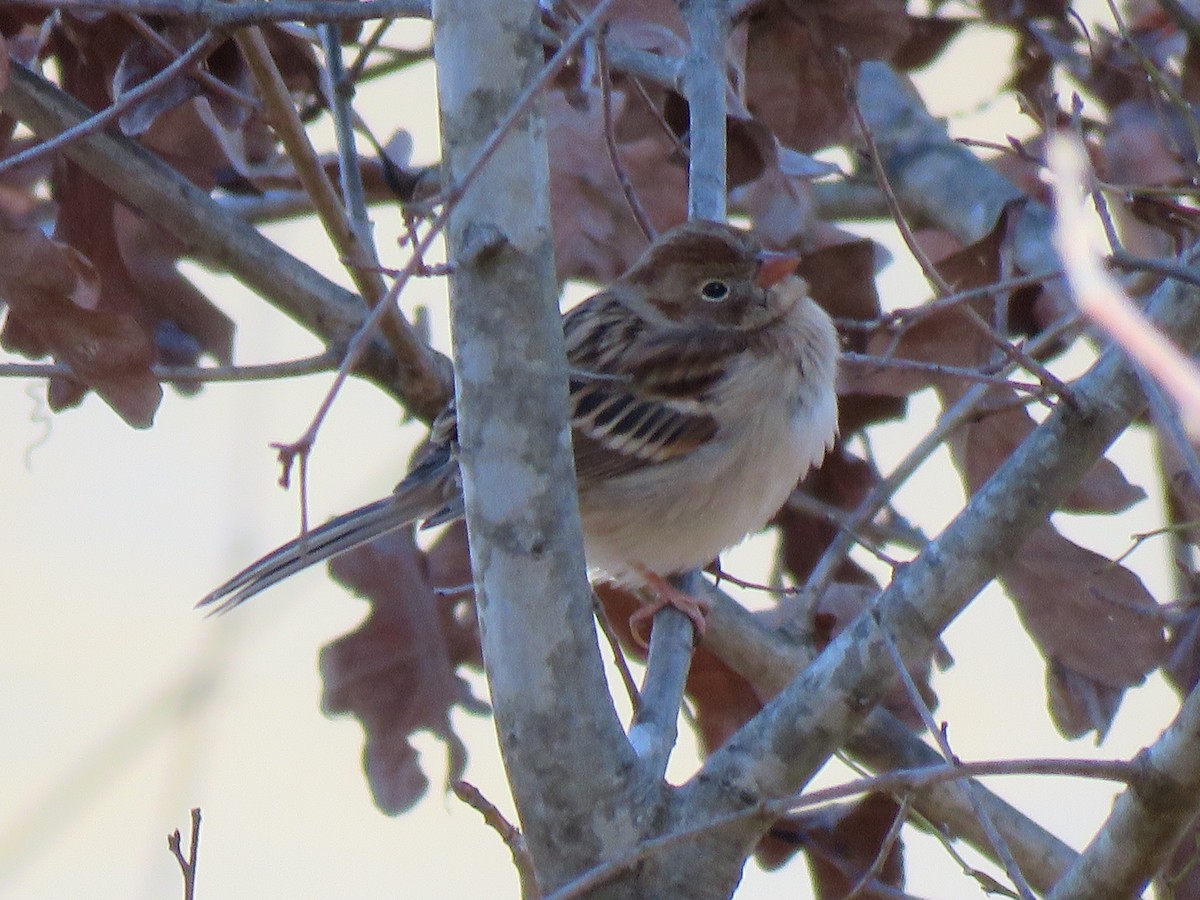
[{"x": 666, "y": 594}]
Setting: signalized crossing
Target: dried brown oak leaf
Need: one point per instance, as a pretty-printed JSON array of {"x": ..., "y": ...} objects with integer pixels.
[
  {"x": 595, "y": 234},
  {"x": 397, "y": 673},
  {"x": 841, "y": 842},
  {"x": 841, "y": 275},
  {"x": 52, "y": 291},
  {"x": 842, "y": 481},
  {"x": 1092, "y": 619},
  {"x": 135, "y": 258},
  {"x": 794, "y": 81}
]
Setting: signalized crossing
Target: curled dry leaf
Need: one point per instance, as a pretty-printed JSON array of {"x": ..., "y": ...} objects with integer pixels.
[
  {"x": 52, "y": 291},
  {"x": 396, "y": 673}
]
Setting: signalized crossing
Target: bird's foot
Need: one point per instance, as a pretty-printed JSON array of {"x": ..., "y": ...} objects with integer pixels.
[{"x": 667, "y": 594}]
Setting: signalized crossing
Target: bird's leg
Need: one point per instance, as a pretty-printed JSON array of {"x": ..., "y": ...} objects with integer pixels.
[{"x": 673, "y": 591}]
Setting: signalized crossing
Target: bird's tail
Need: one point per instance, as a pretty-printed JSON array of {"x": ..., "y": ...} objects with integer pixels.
[{"x": 414, "y": 498}]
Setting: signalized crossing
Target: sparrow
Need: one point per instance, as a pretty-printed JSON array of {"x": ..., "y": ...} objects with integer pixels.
[{"x": 701, "y": 390}]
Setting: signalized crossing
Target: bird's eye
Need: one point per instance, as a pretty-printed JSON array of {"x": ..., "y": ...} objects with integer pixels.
[{"x": 714, "y": 291}]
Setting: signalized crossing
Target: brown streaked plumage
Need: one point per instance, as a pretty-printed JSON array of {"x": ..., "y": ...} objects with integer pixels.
[{"x": 702, "y": 389}]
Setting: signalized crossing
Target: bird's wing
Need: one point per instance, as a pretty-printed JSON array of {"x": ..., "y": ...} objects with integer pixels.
[{"x": 638, "y": 393}]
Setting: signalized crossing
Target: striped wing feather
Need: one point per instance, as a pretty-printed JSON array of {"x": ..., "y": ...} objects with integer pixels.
[{"x": 633, "y": 397}]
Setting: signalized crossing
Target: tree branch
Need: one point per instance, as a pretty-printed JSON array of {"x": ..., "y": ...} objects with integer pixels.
[
  {"x": 705, "y": 87},
  {"x": 219, "y": 238},
  {"x": 567, "y": 758},
  {"x": 1148, "y": 819},
  {"x": 656, "y": 722},
  {"x": 218, "y": 14},
  {"x": 940, "y": 181},
  {"x": 783, "y": 746},
  {"x": 769, "y": 661}
]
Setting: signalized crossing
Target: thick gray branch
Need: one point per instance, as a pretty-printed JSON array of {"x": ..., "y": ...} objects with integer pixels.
[
  {"x": 769, "y": 662},
  {"x": 939, "y": 181},
  {"x": 220, "y": 239},
  {"x": 1148, "y": 819},
  {"x": 781, "y": 748},
  {"x": 565, "y": 752}
]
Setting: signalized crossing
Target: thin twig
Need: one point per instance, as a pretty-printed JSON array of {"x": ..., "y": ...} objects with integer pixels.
[
  {"x": 328, "y": 204},
  {"x": 219, "y": 14},
  {"x": 932, "y": 275},
  {"x": 450, "y": 199},
  {"x": 366, "y": 48},
  {"x": 868, "y": 361},
  {"x": 618, "y": 652},
  {"x": 192, "y": 55},
  {"x": 509, "y": 833},
  {"x": 999, "y": 844},
  {"x": 340, "y": 95},
  {"x": 1122, "y": 259},
  {"x": 885, "y": 849},
  {"x": 1051, "y": 383},
  {"x": 610, "y": 141},
  {"x": 187, "y": 864},
  {"x": 309, "y": 365}
]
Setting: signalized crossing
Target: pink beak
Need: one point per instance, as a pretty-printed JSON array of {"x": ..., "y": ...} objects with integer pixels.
[{"x": 774, "y": 267}]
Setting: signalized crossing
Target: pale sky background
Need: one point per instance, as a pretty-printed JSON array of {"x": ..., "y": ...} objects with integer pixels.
[{"x": 123, "y": 707}]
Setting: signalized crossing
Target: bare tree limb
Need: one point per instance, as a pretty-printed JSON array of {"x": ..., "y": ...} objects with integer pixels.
[
  {"x": 705, "y": 87},
  {"x": 565, "y": 751},
  {"x": 940, "y": 181},
  {"x": 655, "y": 724},
  {"x": 1148, "y": 818},
  {"x": 783, "y": 746},
  {"x": 218, "y": 14},
  {"x": 220, "y": 239}
]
